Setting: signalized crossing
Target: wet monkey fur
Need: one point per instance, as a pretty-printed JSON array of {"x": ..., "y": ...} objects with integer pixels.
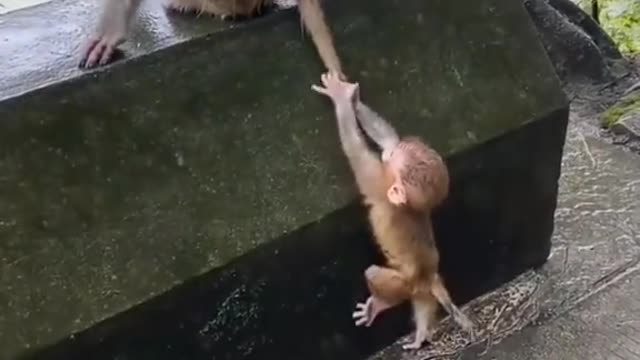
[
  {"x": 401, "y": 188},
  {"x": 117, "y": 15}
]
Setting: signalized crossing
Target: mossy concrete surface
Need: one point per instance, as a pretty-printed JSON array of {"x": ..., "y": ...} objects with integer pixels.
[
  {"x": 118, "y": 185},
  {"x": 622, "y": 117}
]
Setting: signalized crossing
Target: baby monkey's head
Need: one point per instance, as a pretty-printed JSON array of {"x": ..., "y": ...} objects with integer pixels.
[{"x": 416, "y": 175}]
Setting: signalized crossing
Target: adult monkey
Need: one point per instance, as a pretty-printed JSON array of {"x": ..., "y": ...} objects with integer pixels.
[{"x": 117, "y": 15}]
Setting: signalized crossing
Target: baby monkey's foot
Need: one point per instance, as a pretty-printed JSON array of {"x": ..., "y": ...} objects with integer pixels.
[
  {"x": 415, "y": 344},
  {"x": 364, "y": 313},
  {"x": 420, "y": 338}
]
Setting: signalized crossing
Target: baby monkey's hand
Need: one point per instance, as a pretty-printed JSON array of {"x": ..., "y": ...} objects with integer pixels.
[{"x": 336, "y": 89}]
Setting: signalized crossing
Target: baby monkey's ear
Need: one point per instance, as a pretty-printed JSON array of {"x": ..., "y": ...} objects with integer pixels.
[{"x": 397, "y": 194}]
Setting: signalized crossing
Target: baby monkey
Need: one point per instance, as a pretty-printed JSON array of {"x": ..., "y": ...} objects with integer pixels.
[{"x": 401, "y": 188}]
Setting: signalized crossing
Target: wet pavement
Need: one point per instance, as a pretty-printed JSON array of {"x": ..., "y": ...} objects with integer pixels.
[
  {"x": 605, "y": 326},
  {"x": 592, "y": 306},
  {"x": 42, "y": 44}
]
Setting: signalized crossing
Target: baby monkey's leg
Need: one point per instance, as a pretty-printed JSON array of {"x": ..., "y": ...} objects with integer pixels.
[
  {"x": 425, "y": 310},
  {"x": 388, "y": 288}
]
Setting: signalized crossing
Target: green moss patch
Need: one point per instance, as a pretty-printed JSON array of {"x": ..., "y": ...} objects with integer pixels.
[{"x": 625, "y": 105}]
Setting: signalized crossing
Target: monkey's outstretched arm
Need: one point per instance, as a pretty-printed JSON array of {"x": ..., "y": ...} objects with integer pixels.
[
  {"x": 313, "y": 19},
  {"x": 113, "y": 26},
  {"x": 365, "y": 164},
  {"x": 377, "y": 128}
]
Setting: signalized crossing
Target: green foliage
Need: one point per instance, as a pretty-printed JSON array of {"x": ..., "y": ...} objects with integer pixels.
[
  {"x": 627, "y": 104},
  {"x": 585, "y": 5},
  {"x": 621, "y": 20}
]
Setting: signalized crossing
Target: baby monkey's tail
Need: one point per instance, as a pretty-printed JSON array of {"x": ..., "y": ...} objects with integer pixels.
[{"x": 442, "y": 295}]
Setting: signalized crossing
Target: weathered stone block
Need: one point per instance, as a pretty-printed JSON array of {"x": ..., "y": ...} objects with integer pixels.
[{"x": 168, "y": 170}]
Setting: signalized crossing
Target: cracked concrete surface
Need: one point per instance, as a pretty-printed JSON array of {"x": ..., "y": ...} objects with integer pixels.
[
  {"x": 603, "y": 327},
  {"x": 592, "y": 306}
]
